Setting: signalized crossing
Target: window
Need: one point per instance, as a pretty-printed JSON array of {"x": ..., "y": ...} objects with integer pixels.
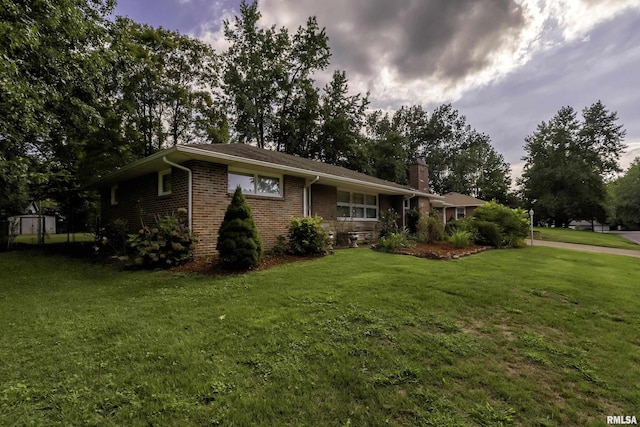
[
  {"x": 256, "y": 184},
  {"x": 164, "y": 182},
  {"x": 114, "y": 195},
  {"x": 357, "y": 205},
  {"x": 460, "y": 212}
]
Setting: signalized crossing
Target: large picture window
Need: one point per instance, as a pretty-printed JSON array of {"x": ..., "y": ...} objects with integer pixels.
[
  {"x": 255, "y": 183},
  {"x": 357, "y": 205}
]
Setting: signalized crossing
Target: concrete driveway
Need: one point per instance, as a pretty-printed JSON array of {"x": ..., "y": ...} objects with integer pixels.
[{"x": 586, "y": 248}]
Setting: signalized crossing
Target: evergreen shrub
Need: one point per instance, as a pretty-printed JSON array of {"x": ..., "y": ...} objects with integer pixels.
[{"x": 239, "y": 245}]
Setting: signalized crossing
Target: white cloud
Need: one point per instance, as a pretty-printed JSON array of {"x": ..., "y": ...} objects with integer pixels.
[{"x": 545, "y": 24}]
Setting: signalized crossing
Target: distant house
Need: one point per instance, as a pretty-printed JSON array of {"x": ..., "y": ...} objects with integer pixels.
[
  {"x": 202, "y": 179},
  {"x": 459, "y": 206}
]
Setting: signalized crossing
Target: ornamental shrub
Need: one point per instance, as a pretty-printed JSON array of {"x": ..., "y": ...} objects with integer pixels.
[
  {"x": 389, "y": 222},
  {"x": 460, "y": 238},
  {"x": 307, "y": 236},
  {"x": 513, "y": 223},
  {"x": 488, "y": 233},
  {"x": 170, "y": 242},
  {"x": 239, "y": 245},
  {"x": 430, "y": 229},
  {"x": 392, "y": 242}
]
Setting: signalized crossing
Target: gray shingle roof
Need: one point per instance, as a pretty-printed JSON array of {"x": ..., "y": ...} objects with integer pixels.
[
  {"x": 457, "y": 199},
  {"x": 282, "y": 159}
]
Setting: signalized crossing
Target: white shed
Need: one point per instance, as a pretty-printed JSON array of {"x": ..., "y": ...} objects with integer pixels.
[{"x": 28, "y": 224}]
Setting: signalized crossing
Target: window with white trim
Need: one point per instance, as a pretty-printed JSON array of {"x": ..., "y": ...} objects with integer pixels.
[
  {"x": 114, "y": 195},
  {"x": 164, "y": 182},
  {"x": 257, "y": 184},
  {"x": 357, "y": 205},
  {"x": 460, "y": 213}
]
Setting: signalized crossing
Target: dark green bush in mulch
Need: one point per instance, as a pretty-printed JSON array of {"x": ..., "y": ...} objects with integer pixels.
[{"x": 239, "y": 245}]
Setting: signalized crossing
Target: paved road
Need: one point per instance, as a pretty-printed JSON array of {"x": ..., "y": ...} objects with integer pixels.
[
  {"x": 634, "y": 236},
  {"x": 586, "y": 248}
]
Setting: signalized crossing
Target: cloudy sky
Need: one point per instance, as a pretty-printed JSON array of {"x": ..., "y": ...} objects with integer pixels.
[{"x": 507, "y": 65}]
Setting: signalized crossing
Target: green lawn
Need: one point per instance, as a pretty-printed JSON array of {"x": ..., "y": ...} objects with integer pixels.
[
  {"x": 55, "y": 238},
  {"x": 535, "y": 336},
  {"x": 584, "y": 238}
]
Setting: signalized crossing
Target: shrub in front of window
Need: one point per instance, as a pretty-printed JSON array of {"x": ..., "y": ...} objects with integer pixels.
[
  {"x": 170, "y": 242},
  {"x": 307, "y": 236},
  {"x": 389, "y": 223},
  {"x": 465, "y": 224},
  {"x": 413, "y": 216},
  {"x": 239, "y": 245}
]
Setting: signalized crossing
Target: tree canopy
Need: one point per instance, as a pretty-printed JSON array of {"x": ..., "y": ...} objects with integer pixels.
[
  {"x": 625, "y": 197},
  {"x": 568, "y": 162}
]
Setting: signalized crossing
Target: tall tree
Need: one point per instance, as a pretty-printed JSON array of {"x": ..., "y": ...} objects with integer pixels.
[
  {"x": 267, "y": 79},
  {"x": 567, "y": 163},
  {"x": 342, "y": 116},
  {"x": 52, "y": 68},
  {"x": 625, "y": 196},
  {"x": 460, "y": 158},
  {"x": 163, "y": 95}
]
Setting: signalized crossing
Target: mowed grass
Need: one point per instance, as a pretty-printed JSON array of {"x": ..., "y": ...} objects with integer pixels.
[
  {"x": 32, "y": 239},
  {"x": 535, "y": 336},
  {"x": 582, "y": 237}
]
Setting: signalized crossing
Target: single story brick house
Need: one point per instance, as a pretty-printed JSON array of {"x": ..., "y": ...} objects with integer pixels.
[
  {"x": 277, "y": 186},
  {"x": 458, "y": 206}
]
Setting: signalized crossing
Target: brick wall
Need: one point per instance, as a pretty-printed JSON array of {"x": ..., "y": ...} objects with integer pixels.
[
  {"x": 138, "y": 200},
  {"x": 210, "y": 201},
  {"x": 324, "y": 201}
]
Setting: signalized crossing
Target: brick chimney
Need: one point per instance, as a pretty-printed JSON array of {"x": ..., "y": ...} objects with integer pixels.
[{"x": 419, "y": 175}]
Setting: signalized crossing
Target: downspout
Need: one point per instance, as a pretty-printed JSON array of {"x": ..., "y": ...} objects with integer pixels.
[
  {"x": 190, "y": 196},
  {"x": 308, "y": 185}
]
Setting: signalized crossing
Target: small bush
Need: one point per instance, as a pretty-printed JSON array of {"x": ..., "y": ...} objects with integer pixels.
[
  {"x": 393, "y": 242},
  {"x": 239, "y": 245},
  {"x": 488, "y": 233},
  {"x": 389, "y": 223},
  {"x": 460, "y": 238},
  {"x": 170, "y": 242},
  {"x": 280, "y": 247},
  {"x": 307, "y": 236},
  {"x": 112, "y": 239},
  {"x": 413, "y": 216},
  {"x": 430, "y": 229}
]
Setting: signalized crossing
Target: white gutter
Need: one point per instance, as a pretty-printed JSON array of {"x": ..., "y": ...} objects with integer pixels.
[
  {"x": 190, "y": 201},
  {"x": 313, "y": 181}
]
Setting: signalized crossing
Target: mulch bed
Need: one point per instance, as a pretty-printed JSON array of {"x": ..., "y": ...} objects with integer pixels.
[
  {"x": 441, "y": 251},
  {"x": 210, "y": 266}
]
